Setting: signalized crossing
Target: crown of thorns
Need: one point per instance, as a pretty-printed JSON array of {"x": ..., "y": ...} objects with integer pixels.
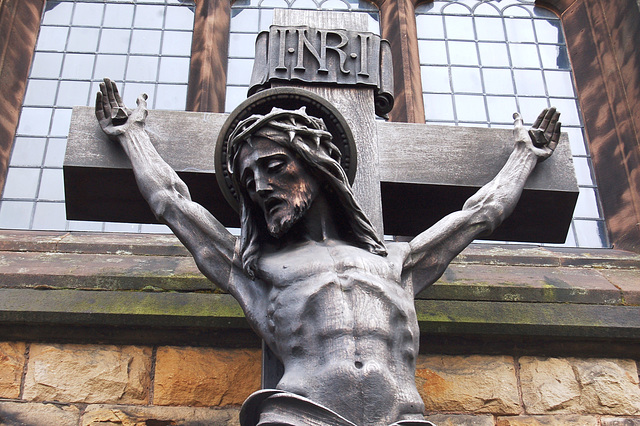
[{"x": 290, "y": 122}]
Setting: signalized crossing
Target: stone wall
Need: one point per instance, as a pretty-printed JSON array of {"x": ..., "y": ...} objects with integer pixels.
[{"x": 72, "y": 384}]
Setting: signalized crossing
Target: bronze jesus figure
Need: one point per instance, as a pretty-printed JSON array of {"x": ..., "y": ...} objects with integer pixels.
[{"x": 328, "y": 296}]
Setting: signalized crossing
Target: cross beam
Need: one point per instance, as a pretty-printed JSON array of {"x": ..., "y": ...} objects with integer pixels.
[{"x": 425, "y": 172}]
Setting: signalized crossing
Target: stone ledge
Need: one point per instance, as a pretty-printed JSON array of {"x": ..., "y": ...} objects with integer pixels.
[
  {"x": 50, "y": 280},
  {"x": 221, "y": 311},
  {"x": 169, "y": 245},
  {"x": 482, "y": 272}
]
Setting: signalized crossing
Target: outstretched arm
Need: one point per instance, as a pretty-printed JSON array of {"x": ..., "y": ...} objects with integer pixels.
[
  {"x": 432, "y": 250},
  {"x": 168, "y": 196}
]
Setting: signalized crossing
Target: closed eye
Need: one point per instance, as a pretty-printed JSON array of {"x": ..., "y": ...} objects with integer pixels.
[{"x": 276, "y": 166}]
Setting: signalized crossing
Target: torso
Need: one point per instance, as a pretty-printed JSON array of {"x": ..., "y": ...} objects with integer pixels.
[{"x": 345, "y": 329}]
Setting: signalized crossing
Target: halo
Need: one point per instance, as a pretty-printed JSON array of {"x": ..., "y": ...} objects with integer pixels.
[{"x": 288, "y": 98}]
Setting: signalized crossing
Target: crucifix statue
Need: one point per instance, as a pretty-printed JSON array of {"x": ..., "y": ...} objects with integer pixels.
[{"x": 316, "y": 281}]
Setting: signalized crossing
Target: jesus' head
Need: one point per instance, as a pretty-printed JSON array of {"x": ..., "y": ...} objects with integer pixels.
[{"x": 279, "y": 163}]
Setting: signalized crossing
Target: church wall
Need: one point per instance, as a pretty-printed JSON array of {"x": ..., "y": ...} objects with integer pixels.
[
  {"x": 553, "y": 337},
  {"x": 92, "y": 384},
  {"x": 63, "y": 376}
]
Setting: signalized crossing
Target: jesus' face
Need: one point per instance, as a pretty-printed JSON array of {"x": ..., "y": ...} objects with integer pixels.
[{"x": 276, "y": 181}]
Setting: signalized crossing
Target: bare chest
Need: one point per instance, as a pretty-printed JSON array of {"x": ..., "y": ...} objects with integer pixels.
[{"x": 324, "y": 290}]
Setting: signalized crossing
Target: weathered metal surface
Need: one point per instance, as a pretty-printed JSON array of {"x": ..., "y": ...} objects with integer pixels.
[
  {"x": 331, "y": 300},
  {"x": 311, "y": 55}
]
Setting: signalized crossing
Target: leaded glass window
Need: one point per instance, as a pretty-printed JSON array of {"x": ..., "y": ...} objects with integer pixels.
[
  {"x": 483, "y": 60},
  {"x": 143, "y": 45}
]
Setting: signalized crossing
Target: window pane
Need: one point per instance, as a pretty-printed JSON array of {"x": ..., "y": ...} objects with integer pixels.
[
  {"x": 83, "y": 40},
  {"x": 466, "y": 79},
  {"x": 529, "y": 82},
  {"x": 55, "y": 152},
  {"x": 429, "y": 27},
  {"x": 142, "y": 68},
  {"x": 21, "y": 183},
  {"x": 501, "y": 108},
  {"x": 470, "y": 108},
  {"x": 171, "y": 96},
  {"x": 459, "y": 27},
  {"x": 52, "y": 38},
  {"x": 118, "y": 15},
  {"x": 15, "y": 214},
  {"x": 49, "y": 216},
  {"x": 111, "y": 66},
  {"x": 51, "y": 185},
  {"x": 149, "y": 16},
  {"x": 176, "y": 43},
  {"x": 77, "y": 66},
  {"x": 145, "y": 41},
  {"x": 436, "y": 79},
  {"x": 40, "y": 92},
  {"x": 519, "y": 30},
  {"x": 46, "y": 65},
  {"x": 498, "y": 81},
  {"x": 559, "y": 83},
  {"x": 548, "y": 31},
  {"x": 493, "y": 54},
  {"x": 524, "y": 55},
  {"x": 490, "y": 29},
  {"x": 439, "y": 107},
  {"x": 88, "y": 14},
  {"x": 73, "y": 93},
  {"x": 34, "y": 121},
  {"x": 432, "y": 52},
  {"x": 179, "y": 18},
  {"x": 174, "y": 70},
  {"x": 463, "y": 53},
  {"x": 28, "y": 151}
]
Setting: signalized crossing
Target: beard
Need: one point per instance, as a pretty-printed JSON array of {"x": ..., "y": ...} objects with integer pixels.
[{"x": 287, "y": 215}]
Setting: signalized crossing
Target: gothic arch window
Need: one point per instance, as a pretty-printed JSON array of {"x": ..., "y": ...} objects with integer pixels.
[{"x": 482, "y": 60}]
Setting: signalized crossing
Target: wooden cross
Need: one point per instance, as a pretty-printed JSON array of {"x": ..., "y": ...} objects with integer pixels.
[{"x": 408, "y": 177}]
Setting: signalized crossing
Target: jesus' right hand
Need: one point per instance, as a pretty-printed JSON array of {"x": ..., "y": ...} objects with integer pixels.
[{"x": 112, "y": 114}]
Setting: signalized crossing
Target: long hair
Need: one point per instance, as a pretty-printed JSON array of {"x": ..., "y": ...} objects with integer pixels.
[{"x": 321, "y": 156}]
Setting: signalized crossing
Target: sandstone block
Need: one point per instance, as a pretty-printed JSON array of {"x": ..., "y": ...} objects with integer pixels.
[
  {"x": 569, "y": 420},
  {"x": 581, "y": 386},
  {"x": 28, "y": 414},
  {"x": 460, "y": 420},
  {"x": 478, "y": 384},
  {"x": 205, "y": 376},
  {"x": 88, "y": 373},
  {"x": 11, "y": 366},
  {"x": 548, "y": 385},
  {"x": 108, "y": 415},
  {"x": 619, "y": 421}
]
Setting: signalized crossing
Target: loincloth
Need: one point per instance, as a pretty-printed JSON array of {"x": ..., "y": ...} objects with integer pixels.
[{"x": 272, "y": 407}]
